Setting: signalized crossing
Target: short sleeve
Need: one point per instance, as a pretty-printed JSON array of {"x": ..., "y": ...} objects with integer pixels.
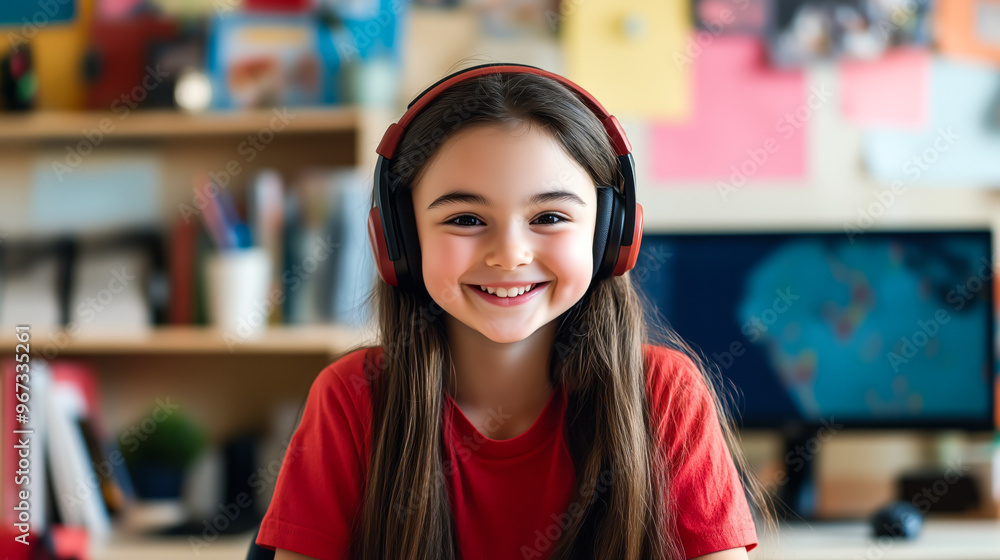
[
  {"x": 705, "y": 495},
  {"x": 320, "y": 486}
]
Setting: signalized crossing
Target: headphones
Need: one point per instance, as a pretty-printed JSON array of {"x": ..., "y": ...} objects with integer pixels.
[{"x": 392, "y": 230}]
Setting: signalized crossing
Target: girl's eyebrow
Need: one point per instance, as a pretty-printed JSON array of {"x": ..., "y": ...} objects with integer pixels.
[{"x": 458, "y": 197}]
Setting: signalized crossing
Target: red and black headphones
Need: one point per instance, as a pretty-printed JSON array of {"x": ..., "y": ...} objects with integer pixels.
[{"x": 392, "y": 230}]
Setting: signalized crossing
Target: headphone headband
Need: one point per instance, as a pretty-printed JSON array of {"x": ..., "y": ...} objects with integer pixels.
[{"x": 387, "y": 147}]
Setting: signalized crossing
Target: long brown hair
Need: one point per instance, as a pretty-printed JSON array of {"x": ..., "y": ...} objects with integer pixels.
[{"x": 598, "y": 358}]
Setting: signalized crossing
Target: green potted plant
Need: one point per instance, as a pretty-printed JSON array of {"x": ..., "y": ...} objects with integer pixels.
[{"x": 159, "y": 454}]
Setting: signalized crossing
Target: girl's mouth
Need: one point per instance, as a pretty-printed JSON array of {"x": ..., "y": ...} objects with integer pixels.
[{"x": 509, "y": 301}]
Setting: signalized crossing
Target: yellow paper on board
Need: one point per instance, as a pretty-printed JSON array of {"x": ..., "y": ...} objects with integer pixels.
[
  {"x": 57, "y": 50},
  {"x": 623, "y": 52}
]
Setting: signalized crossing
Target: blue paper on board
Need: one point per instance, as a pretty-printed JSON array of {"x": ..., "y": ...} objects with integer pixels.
[
  {"x": 961, "y": 143},
  {"x": 36, "y": 12}
]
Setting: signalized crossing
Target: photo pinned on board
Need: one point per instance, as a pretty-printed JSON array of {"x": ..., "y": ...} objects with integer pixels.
[{"x": 809, "y": 30}]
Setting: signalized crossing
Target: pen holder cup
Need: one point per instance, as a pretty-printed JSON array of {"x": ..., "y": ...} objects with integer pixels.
[{"x": 238, "y": 282}]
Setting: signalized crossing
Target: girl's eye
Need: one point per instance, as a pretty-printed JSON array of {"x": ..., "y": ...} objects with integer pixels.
[
  {"x": 465, "y": 217},
  {"x": 453, "y": 221},
  {"x": 558, "y": 218}
]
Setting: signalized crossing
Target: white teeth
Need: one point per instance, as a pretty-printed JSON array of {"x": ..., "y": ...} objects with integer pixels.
[{"x": 508, "y": 292}]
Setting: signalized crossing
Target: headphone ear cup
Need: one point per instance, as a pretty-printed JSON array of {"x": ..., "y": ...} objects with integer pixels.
[
  {"x": 629, "y": 255},
  {"x": 380, "y": 252}
]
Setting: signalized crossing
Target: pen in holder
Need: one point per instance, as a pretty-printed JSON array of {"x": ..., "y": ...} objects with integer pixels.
[
  {"x": 239, "y": 274},
  {"x": 238, "y": 283}
]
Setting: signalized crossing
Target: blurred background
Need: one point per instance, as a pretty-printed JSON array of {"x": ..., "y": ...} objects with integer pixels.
[{"x": 183, "y": 192}]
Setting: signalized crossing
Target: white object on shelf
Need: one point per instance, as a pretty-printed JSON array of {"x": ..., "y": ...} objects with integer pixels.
[
  {"x": 239, "y": 283},
  {"x": 79, "y": 501},
  {"x": 193, "y": 92},
  {"x": 29, "y": 297},
  {"x": 110, "y": 293},
  {"x": 150, "y": 515}
]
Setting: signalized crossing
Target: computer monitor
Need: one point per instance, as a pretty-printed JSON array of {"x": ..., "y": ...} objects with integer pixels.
[
  {"x": 874, "y": 330},
  {"x": 867, "y": 330}
]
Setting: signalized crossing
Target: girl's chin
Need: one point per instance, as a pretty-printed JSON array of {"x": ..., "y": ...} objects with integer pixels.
[
  {"x": 503, "y": 334},
  {"x": 506, "y": 338}
]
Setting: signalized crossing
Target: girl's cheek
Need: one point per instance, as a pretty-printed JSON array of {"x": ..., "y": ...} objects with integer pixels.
[
  {"x": 447, "y": 256},
  {"x": 572, "y": 260}
]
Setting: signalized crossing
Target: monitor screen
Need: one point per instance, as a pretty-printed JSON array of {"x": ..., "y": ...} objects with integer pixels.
[{"x": 879, "y": 329}]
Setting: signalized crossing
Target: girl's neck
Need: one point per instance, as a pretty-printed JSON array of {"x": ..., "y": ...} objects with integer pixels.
[{"x": 489, "y": 375}]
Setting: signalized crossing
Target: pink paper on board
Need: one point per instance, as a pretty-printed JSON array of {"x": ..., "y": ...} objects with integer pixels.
[
  {"x": 115, "y": 9},
  {"x": 741, "y": 107},
  {"x": 890, "y": 91}
]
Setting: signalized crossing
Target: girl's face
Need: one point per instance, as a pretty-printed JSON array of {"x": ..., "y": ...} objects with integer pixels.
[{"x": 505, "y": 207}]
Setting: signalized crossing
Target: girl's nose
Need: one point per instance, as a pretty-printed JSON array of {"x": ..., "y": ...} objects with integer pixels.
[{"x": 509, "y": 249}]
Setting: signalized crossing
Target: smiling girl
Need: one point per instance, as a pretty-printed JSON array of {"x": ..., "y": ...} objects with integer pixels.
[{"x": 520, "y": 403}]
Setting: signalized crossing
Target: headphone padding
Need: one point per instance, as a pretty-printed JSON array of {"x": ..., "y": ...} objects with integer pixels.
[
  {"x": 602, "y": 228},
  {"x": 411, "y": 277}
]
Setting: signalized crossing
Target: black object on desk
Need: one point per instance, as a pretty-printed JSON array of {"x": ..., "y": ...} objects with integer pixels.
[
  {"x": 899, "y": 520},
  {"x": 940, "y": 490}
]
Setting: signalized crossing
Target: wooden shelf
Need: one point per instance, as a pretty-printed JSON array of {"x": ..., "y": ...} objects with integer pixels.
[
  {"x": 161, "y": 123},
  {"x": 330, "y": 340}
]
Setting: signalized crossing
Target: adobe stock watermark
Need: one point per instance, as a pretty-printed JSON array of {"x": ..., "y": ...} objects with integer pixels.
[
  {"x": 908, "y": 346},
  {"x": 757, "y": 326},
  {"x": 292, "y": 279},
  {"x": 93, "y": 138},
  {"x": 901, "y": 14},
  {"x": 914, "y": 168},
  {"x": 350, "y": 51},
  {"x": 649, "y": 262},
  {"x": 230, "y": 512},
  {"x": 547, "y": 538},
  {"x": 420, "y": 321},
  {"x": 797, "y": 458},
  {"x": 923, "y": 501},
  {"x": 131, "y": 439},
  {"x": 788, "y": 125},
  {"x": 249, "y": 148},
  {"x": 463, "y": 452},
  {"x": 29, "y": 28},
  {"x": 452, "y": 118},
  {"x": 88, "y": 310}
]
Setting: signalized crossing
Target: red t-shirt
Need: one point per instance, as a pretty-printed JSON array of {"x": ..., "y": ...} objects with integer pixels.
[{"x": 509, "y": 497}]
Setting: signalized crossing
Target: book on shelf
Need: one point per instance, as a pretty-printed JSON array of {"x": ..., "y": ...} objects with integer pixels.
[
  {"x": 315, "y": 231},
  {"x": 183, "y": 244},
  {"x": 74, "y": 476},
  {"x": 328, "y": 269},
  {"x": 353, "y": 269},
  {"x": 266, "y": 215}
]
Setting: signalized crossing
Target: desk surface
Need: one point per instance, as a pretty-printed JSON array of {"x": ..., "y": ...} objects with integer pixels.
[{"x": 939, "y": 540}]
